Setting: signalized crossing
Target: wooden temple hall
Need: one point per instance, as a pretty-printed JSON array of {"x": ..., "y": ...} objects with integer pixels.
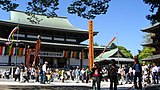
[{"x": 60, "y": 41}]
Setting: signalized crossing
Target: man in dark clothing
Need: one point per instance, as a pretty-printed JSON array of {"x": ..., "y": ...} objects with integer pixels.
[
  {"x": 138, "y": 73},
  {"x": 113, "y": 69},
  {"x": 126, "y": 69}
]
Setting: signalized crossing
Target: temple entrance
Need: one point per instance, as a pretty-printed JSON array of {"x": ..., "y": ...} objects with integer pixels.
[
  {"x": 61, "y": 63},
  {"x": 55, "y": 62},
  {"x": 49, "y": 60}
]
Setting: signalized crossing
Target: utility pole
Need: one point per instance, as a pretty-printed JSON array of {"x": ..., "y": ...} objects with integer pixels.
[{"x": 17, "y": 43}]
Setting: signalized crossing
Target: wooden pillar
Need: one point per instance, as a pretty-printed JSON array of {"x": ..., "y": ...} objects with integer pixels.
[
  {"x": 81, "y": 59},
  {"x": 91, "y": 50}
]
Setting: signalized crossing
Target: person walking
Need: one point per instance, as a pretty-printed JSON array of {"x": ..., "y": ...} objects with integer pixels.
[
  {"x": 113, "y": 69},
  {"x": 138, "y": 73},
  {"x": 97, "y": 76}
]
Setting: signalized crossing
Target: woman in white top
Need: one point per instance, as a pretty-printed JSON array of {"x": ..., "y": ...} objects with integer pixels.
[{"x": 154, "y": 73}]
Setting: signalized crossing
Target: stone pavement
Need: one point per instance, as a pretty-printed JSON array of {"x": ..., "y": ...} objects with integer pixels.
[{"x": 9, "y": 84}]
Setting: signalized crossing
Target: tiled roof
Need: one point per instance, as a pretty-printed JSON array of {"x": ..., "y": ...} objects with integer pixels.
[
  {"x": 110, "y": 55},
  {"x": 55, "y": 22},
  {"x": 152, "y": 57}
]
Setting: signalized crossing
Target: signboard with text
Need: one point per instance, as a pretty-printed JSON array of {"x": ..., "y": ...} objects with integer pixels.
[{"x": 50, "y": 54}]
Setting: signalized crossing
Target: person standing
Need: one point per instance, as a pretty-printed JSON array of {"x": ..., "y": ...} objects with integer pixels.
[
  {"x": 87, "y": 74},
  {"x": 44, "y": 69},
  {"x": 155, "y": 74},
  {"x": 138, "y": 73},
  {"x": 83, "y": 74},
  {"x": 22, "y": 69},
  {"x": 130, "y": 75},
  {"x": 37, "y": 73},
  {"x": 7, "y": 73},
  {"x": 62, "y": 75},
  {"x": 97, "y": 76},
  {"x": 126, "y": 69},
  {"x": 144, "y": 72},
  {"x": 105, "y": 74},
  {"x": 122, "y": 74},
  {"x": 17, "y": 74},
  {"x": 72, "y": 74},
  {"x": 158, "y": 71},
  {"x": 77, "y": 73},
  {"x": 113, "y": 69}
]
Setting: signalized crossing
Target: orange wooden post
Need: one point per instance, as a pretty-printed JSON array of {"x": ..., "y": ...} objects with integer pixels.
[{"x": 91, "y": 50}]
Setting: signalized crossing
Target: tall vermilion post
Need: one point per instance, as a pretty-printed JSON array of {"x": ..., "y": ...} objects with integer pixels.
[{"x": 91, "y": 49}]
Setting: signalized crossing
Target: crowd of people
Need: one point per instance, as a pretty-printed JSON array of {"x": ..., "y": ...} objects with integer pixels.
[
  {"x": 116, "y": 75},
  {"x": 44, "y": 74},
  {"x": 136, "y": 74}
]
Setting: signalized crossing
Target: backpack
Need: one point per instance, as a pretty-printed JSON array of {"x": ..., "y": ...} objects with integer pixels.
[{"x": 137, "y": 68}]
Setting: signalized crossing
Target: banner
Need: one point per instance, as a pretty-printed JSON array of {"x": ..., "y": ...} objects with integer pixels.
[
  {"x": 21, "y": 51},
  {"x": 51, "y": 54},
  {"x": 10, "y": 37},
  {"x": 75, "y": 54},
  {"x": 72, "y": 54},
  {"x": 10, "y": 50},
  {"x": 1, "y": 50}
]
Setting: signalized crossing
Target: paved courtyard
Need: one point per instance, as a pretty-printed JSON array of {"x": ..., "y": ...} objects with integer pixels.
[{"x": 67, "y": 84}]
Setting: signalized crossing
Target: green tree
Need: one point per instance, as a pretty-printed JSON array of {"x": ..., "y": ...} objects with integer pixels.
[
  {"x": 146, "y": 52},
  {"x": 88, "y": 9},
  {"x": 113, "y": 46},
  {"x": 83, "y": 8},
  {"x": 95, "y": 44},
  {"x": 125, "y": 51},
  {"x": 154, "y": 9},
  {"x": 147, "y": 37}
]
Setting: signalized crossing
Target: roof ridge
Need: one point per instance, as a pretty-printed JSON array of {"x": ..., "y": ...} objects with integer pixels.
[{"x": 38, "y": 14}]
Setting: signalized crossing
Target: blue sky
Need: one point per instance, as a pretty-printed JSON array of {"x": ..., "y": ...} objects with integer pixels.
[{"x": 124, "y": 17}]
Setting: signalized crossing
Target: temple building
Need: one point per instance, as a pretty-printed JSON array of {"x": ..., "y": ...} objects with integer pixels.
[
  {"x": 60, "y": 41},
  {"x": 116, "y": 54},
  {"x": 154, "y": 42}
]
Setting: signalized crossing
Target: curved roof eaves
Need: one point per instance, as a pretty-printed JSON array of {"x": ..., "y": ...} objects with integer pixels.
[{"x": 55, "y": 22}]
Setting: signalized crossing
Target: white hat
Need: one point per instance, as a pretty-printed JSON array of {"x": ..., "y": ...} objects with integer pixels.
[{"x": 46, "y": 62}]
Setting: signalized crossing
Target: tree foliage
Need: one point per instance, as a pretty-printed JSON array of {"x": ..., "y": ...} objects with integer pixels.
[
  {"x": 88, "y": 9},
  {"x": 8, "y": 5},
  {"x": 154, "y": 9},
  {"x": 95, "y": 44},
  {"x": 125, "y": 51},
  {"x": 146, "y": 52},
  {"x": 43, "y": 7},
  {"x": 147, "y": 37},
  {"x": 84, "y": 8},
  {"x": 113, "y": 46}
]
